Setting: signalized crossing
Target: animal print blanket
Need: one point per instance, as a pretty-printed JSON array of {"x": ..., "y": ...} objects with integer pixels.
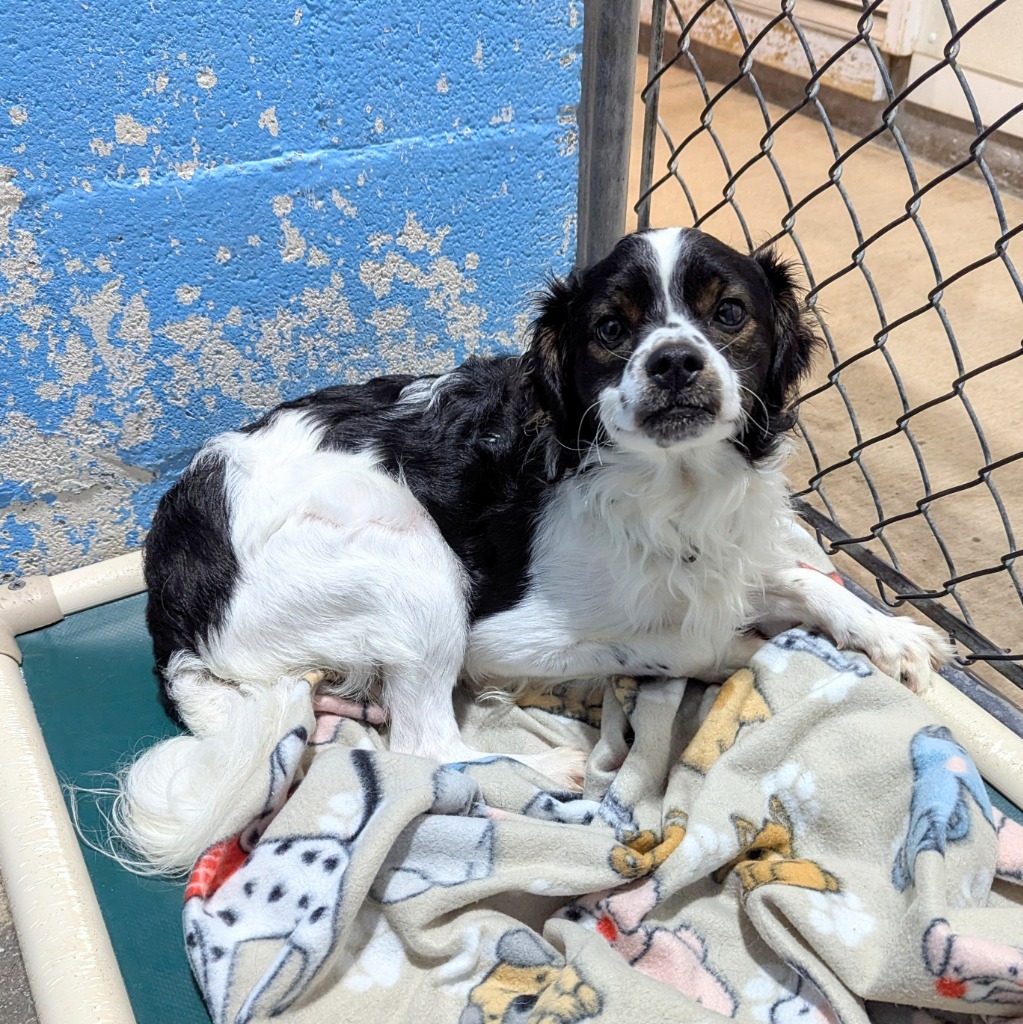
[{"x": 802, "y": 843}]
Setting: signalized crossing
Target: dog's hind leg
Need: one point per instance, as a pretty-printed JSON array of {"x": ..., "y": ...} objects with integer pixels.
[
  {"x": 423, "y": 723},
  {"x": 390, "y": 600},
  {"x": 428, "y": 609}
]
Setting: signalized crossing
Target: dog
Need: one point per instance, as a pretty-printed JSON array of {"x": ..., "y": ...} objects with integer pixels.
[{"x": 609, "y": 502}]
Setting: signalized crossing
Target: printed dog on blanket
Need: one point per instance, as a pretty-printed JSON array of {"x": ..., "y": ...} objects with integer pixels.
[
  {"x": 611, "y": 502},
  {"x": 804, "y": 1005},
  {"x": 945, "y": 785},
  {"x": 676, "y": 956},
  {"x": 973, "y": 968},
  {"x": 287, "y": 890}
]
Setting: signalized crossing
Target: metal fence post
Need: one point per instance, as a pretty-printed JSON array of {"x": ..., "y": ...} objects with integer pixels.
[{"x": 610, "y": 42}]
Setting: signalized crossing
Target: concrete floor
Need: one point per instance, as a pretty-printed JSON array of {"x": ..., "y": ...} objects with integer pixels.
[
  {"x": 983, "y": 309},
  {"x": 15, "y": 998}
]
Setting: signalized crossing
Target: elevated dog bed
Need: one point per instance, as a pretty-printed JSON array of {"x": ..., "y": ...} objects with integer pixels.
[
  {"x": 801, "y": 816},
  {"x": 98, "y": 942},
  {"x": 90, "y": 679}
]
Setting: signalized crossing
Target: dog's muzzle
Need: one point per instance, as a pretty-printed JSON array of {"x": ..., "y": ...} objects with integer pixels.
[
  {"x": 672, "y": 391},
  {"x": 679, "y": 393}
]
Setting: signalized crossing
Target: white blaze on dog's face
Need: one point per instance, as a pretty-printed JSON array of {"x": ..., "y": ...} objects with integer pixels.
[
  {"x": 677, "y": 387},
  {"x": 675, "y": 340}
]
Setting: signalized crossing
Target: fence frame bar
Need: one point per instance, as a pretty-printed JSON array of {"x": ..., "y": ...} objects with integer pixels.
[
  {"x": 651, "y": 102},
  {"x": 610, "y": 46}
]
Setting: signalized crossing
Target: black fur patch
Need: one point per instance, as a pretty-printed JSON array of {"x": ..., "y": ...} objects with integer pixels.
[
  {"x": 796, "y": 341},
  {"x": 189, "y": 565},
  {"x": 568, "y": 364},
  {"x": 469, "y": 455}
]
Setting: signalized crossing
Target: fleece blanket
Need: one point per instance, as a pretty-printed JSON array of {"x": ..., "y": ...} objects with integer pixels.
[{"x": 803, "y": 843}]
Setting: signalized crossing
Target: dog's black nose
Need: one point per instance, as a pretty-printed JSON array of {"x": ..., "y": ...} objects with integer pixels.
[{"x": 674, "y": 367}]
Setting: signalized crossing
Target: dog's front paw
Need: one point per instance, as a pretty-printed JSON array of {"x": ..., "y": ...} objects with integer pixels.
[{"x": 905, "y": 650}]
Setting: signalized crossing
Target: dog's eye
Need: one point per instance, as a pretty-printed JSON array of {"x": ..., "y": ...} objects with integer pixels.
[
  {"x": 611, "y": 332},
  {"x": 730, "y": 313}
]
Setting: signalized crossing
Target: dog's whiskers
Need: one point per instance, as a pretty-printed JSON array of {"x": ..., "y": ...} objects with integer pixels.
[
  {"x": 590, "y": 445},
  {"x": 756, "y": 398}
]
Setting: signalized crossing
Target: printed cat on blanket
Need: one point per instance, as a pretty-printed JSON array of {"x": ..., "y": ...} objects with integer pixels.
[
  {"x": 528, "y": 986},
  {"x": 738, "y": 704},
  {"x": 767, "y": 855}
]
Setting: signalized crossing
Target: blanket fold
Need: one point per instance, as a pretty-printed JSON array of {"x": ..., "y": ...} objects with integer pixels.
[{"x": 803, "y": 842}]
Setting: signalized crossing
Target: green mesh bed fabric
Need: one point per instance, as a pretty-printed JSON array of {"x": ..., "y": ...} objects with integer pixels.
[
  {"x": 92, "y": 684},
  {"x": 90, "y": 678}
]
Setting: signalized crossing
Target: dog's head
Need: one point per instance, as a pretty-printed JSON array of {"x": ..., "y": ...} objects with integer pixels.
[{"x": 673, "y": 340}]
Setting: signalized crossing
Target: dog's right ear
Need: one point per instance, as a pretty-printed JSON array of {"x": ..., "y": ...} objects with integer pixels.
[{"x": 547, "y": 358}]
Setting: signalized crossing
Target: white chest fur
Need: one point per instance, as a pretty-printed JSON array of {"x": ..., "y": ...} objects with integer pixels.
[{"x": 641, "y": 564}]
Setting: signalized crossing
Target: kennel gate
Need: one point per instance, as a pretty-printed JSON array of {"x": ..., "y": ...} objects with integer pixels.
[{"x": 941, "y": 534}]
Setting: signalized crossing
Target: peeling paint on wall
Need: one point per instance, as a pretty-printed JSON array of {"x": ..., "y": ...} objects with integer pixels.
[{"x": 203, "y": 215}]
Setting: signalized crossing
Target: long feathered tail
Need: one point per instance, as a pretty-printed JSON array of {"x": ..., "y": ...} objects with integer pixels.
[{"x": 184, "y": 794}]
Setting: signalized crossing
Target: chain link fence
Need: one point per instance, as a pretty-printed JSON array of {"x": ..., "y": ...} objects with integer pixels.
[{"x": 910, "y": 460}]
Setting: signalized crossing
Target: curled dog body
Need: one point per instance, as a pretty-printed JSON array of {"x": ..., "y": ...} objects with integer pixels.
[{"x": 609, "y": 502}]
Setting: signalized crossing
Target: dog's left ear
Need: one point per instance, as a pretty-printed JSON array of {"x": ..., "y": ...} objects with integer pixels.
[
  {"x": 795, "y": 337},
  {"x": 546, "y": 360}
]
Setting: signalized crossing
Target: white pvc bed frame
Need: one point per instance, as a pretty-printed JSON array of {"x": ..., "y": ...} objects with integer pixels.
[{"x": 72, "y": 971}]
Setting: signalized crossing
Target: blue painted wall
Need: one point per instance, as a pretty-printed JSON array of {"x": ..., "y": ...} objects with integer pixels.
[{"x": 206, "y": 209}]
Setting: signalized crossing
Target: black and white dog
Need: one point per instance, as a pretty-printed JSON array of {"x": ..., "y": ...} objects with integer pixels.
[{"x": 609, "y": 502}]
